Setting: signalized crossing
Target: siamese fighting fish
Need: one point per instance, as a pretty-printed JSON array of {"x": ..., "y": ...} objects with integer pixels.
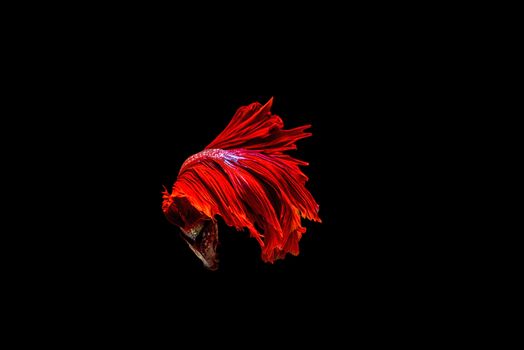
[{"x": 246, "y": 177}]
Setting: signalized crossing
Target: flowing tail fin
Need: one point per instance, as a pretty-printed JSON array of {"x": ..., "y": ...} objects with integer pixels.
[{"x": 245, "y": 177}]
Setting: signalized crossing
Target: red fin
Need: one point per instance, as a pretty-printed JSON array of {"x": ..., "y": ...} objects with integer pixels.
[{"x": 254, "y": 127}]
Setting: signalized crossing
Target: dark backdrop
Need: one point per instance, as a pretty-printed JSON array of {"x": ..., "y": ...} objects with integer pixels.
[
  {"x": 128, "y": 107},
  {"x": 141, "y": 115},
  {"x": 357, "y": 174}
]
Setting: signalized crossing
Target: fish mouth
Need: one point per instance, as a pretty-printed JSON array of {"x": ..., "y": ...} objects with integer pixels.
[{"x": 202, "y": 239}]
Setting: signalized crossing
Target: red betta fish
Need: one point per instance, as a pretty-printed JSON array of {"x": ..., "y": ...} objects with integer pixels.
[{"x": 245, "y": 177}]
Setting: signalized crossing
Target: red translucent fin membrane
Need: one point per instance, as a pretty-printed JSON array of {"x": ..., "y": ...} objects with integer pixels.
[{"x": 254, "y": 127}]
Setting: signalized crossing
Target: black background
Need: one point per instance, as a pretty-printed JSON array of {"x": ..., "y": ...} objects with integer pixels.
[
  {"x": 138, "y": 109},
  {"x": 360, "y": 171},
  {"x": 119, "y": 107}
]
